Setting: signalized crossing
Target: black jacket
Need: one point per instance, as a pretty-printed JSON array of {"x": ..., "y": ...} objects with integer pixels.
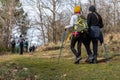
[{"x": 93, "y": 20}]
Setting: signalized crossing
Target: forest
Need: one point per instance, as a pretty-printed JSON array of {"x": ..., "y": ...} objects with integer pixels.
[{"x": 52, "y": 17}]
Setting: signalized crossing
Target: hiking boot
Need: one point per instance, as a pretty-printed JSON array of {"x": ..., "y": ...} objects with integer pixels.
[
  {"x": 89, "y": 59},
  {"x": 94, "y": 61},
  {"x": 77, "y": 60}
]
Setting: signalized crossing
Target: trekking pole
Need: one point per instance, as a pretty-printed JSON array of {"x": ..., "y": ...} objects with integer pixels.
[
  {"x": 105, "y": 51},
  {"x": 63, "y": 38},
  {"x": 104, "y": 46}
]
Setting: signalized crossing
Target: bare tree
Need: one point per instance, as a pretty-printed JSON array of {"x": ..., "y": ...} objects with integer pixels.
[
  {"x": 8, "y": 19},
  {"x": 7, "y": 12},
  {"x": 51, "y": 14},
  {"x": 92, "y": 2},
  {"x": 51, "y": 18}
]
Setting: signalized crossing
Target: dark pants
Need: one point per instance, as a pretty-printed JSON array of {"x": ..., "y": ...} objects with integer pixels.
[
  {"x": 86, "y": 41},
  {"x": 82, "y": 38},
  {"x": 21, "y": 48},
  {"x": 13, "y": 48},
  {"x": 95, "y": 35},
  {"x": 74, "y": 40},
  {"x": 95, "y": 48}
]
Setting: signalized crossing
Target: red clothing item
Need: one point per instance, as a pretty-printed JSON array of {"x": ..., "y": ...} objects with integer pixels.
[{"x": 76, "y": 34}]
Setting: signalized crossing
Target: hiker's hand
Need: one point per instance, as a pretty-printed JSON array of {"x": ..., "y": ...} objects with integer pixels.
[{"x": 66, "y": 28}]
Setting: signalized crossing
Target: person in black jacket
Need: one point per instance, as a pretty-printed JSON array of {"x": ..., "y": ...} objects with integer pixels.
[{"x": 94, "y": 21}]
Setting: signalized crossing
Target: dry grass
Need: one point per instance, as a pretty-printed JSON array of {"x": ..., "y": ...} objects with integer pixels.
[
  {"x": 113, "y": 41},
  {"x": 43, "y": 65},
  {"x": 51, "y": 50},
  {"x": 112, "y": 37}
]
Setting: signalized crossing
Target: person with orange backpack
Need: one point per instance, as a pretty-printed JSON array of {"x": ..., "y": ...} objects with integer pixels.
[{"x": 79, "y": 35}]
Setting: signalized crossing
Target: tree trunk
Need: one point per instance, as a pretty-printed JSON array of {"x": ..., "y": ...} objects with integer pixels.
[
  {"x": 41, "y": 22},
  {"x": 53, "y": 22}
]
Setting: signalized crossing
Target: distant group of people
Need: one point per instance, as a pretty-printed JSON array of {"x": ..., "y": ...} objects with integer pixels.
[
  {"x": 32, "y": 48},
  {"x": 21, "y": 46},
  {"x": 92, "y": 34}
]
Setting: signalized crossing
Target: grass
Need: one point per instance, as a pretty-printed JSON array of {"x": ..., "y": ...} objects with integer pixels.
[{"x": 43, "y": 65}]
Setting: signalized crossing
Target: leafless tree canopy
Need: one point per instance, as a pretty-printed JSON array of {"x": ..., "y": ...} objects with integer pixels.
[{"x": 11, "y": 15}]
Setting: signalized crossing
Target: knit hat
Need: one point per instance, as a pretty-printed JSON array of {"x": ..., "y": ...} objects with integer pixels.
[
  {"x": 92, "y": 8},
  {"x": 77, "y": 9}
]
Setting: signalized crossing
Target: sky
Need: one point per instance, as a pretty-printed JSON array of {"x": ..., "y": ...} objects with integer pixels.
[
  {"x": 84, "y": 1},
  {"x": 31, "y": 9}
]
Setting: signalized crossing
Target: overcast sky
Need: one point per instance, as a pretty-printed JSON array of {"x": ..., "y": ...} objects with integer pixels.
[{"x": 31, "y": 9}]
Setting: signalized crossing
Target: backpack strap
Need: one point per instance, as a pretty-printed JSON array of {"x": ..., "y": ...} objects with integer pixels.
[{"x": 96, "y": 16}]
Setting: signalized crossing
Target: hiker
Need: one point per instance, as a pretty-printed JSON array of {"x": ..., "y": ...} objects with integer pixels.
[
  {"x": 17, "y": 48},
  {"x": 32, "y": 48},
  {"x": 94, "y": 21},
  {"x": 21, "y": 40},
  {"x": 26, "y": 45},
  {"x": 13, "y": 43},
  {"x": 78, "y": 37}
]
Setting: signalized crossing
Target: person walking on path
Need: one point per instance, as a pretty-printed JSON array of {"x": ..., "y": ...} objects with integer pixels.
[
  {"x": 13, "y": 43},
  {"x": 78, "y": 36},
  {"x": 94, "y": 21},
  {"x": 21, "y": 40},
  {"x": 26, "y": 45}
]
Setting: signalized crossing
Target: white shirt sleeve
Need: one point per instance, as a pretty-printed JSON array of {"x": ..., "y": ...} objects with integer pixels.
[{"x": 73, "y": 21}]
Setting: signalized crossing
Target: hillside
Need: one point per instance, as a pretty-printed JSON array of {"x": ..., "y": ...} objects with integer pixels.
[{"x": 43, "y": 64}]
